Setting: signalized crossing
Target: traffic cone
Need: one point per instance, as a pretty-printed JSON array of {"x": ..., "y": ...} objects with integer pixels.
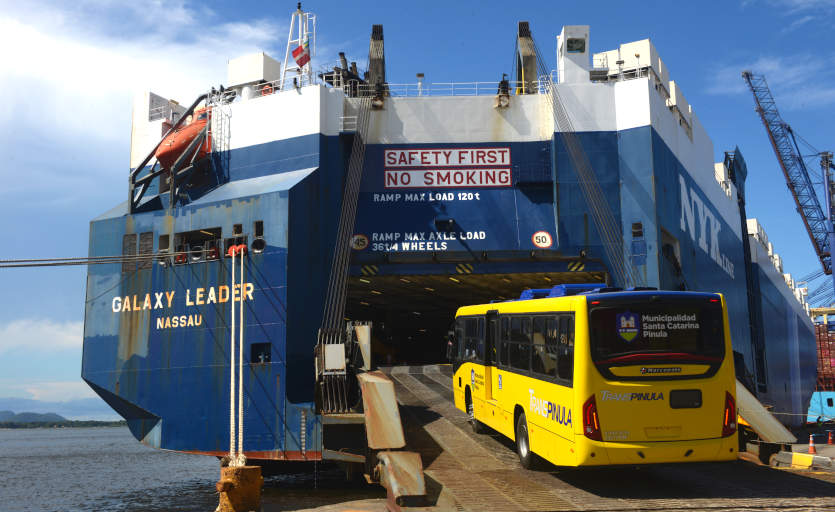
[
  {"x": 812, "y": 450},
  {"x": 829, "y": 439}
]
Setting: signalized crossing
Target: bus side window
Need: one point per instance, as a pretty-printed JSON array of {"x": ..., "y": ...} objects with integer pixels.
[
  {"x": 540, "y": 362},
  {"x": 565, "y": 362},
  {"x": 520, "y": 343},
  {"x": 479, "y": 344},
  {"x": 470, "y": 339},
  {"x": 458, "y": 341},
  {"x": 552, "y": 344},
  {"x": 504, "y": 336}
]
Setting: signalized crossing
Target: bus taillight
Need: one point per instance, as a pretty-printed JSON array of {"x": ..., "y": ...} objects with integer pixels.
[
  {"x": 591, "y": 423},
  {"x": 729, "y": 419}
]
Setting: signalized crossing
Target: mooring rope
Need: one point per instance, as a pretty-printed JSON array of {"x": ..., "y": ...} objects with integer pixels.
[
  {"x": 232, "y": 456},
  {"x": 241, "y": 459}
]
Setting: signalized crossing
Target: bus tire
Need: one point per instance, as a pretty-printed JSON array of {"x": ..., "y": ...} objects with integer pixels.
[
  {"x": 523, "y": 445},
  {"x": 478, "y": 427},
  {"x": 767, "y": 451}
]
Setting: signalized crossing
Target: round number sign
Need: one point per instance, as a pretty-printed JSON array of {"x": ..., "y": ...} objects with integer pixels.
[
  {"x": 542, "y": 239},
  {"x": 359, "y": 242}
]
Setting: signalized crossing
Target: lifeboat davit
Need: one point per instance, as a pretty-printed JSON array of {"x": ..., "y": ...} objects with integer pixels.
[{"x": 173, "y": 145}]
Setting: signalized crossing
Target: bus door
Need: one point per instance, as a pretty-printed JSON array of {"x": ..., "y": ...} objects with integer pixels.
[{"x": 490, "y": 354}]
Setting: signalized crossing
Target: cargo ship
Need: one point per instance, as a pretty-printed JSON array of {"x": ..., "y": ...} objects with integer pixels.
[{"x": 343, "y": 196}]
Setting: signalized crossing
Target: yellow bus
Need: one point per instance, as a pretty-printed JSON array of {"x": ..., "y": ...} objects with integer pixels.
[{"x": 580, "y": 375}]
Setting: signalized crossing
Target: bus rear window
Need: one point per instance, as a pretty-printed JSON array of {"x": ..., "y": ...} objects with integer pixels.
[{"x": 636, "y": 332}]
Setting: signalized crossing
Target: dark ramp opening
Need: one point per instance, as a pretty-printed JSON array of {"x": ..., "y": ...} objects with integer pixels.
[{"x": 412, "y": 314}]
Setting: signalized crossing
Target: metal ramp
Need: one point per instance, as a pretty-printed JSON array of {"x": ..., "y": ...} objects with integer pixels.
[{"x": 762, "y": 422}]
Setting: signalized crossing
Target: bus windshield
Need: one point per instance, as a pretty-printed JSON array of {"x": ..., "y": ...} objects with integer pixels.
[{"x": 646, "y": 331}]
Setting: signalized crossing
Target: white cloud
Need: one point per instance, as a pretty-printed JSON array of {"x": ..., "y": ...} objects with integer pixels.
[
  {"x": 795, "y": 6},
  {"x": 57, "y": 391},
  {"x": 71, "y": 71},
  {"x": 41, "y": 334},
  {"x": 798, "y": 82},
  {"x": 798, "y": 23},
  {"x": 804, "y": 5}
]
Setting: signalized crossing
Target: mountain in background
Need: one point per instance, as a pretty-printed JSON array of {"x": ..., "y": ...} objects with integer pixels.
[
  {"x": 30, "y": 417},
  {"x": 80, "y": 409}
]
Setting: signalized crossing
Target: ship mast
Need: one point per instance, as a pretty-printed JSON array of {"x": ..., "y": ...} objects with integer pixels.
[{"x": 301, "y": 45}]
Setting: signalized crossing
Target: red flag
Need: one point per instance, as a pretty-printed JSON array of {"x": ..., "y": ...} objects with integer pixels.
[{"x": 302, "y": 54}]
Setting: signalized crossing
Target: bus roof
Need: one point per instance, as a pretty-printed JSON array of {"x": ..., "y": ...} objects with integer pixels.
[{"x": 549, "y": 303}]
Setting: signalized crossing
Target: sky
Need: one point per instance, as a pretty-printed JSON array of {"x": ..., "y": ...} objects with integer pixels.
[{"x": 69, "y": 71}]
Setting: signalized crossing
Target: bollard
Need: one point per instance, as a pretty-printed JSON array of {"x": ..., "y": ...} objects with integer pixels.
[
  {"x": 240, "y": 489},
  {"x": 829, "y": 439},
  {"x": 812, "y": 449}
]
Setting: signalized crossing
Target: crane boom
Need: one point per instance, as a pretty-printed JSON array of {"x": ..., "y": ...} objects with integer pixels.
[{"x": 794, "y": 169}]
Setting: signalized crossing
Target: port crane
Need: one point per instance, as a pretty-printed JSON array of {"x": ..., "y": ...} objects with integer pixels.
[{"x": 817, "y": 219}]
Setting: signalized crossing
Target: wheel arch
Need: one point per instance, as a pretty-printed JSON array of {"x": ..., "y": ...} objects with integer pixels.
[{"x": 517, "y": 411}]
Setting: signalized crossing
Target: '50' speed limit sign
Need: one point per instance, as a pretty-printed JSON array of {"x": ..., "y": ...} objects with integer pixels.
[{"x": 542, "y": 239}]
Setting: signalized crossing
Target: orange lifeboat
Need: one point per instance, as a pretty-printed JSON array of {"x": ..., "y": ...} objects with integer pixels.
[{"x": 178, "y": 141}]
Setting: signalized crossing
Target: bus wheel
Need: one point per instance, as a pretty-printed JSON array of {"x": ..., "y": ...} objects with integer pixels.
[
  {"x": 523, "y": 446},
  {"x": 478, "y": 427},
  {"x": 767, "y": 451}
]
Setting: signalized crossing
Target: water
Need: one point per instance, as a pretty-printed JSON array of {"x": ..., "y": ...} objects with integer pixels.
[{"x": 106, "y": 469}]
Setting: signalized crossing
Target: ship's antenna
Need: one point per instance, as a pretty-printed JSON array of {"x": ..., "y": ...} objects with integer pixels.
[{"x": 301, "y": 46}]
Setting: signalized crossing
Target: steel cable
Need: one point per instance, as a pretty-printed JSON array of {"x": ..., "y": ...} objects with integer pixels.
[
  {"x": 336, "y": 296},
  {"x": 89, "y": 260}
]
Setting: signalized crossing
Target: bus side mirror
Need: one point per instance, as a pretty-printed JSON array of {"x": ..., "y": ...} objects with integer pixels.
[{"x": 450, "y": 345}]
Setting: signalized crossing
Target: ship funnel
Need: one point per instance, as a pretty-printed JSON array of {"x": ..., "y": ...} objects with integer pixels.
[
  {"x": 526, "y": 65},
  {"x": 376, "y": 75},
  {"x": 376, "y": 57}
]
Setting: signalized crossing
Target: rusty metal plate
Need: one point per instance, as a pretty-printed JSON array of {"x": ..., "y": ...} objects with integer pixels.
[
  {"x": 382, "y": 417},
  {"x": 401, "y": 473}
]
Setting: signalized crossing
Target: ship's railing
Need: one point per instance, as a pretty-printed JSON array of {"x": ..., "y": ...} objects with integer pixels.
[
  {"x": 290, "y": 82},
  {"x": 354, "y": 89},
  {"x": 446, "y": 88}
]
